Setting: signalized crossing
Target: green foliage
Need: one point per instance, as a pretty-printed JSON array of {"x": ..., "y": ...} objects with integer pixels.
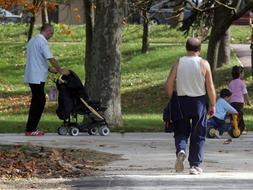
[
  {"x": 12, "y": 32},
  {"x": 240, "y": 34}
]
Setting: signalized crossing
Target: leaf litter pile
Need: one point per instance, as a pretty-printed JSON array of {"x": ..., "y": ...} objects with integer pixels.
[{"x": 28, "y": 161}]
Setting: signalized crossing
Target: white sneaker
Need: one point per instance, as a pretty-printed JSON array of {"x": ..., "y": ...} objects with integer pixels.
[
  {"x": 195, "y": 170},
  {"x": 217, "y": 134},
  {"x": 179, "y": 166}
]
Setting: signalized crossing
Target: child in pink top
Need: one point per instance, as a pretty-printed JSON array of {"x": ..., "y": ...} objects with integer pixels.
[{"x": 239, "y": 93}]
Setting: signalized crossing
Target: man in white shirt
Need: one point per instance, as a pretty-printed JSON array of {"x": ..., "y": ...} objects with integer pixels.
[
  {"x": 193, "y": 81},
  {"x": 36, "y": 71}
]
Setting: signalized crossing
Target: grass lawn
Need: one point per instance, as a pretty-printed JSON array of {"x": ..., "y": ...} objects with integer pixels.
[{"x": 143, "y": 75}]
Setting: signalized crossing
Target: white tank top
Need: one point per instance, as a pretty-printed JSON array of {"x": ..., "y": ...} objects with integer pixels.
[{"x": 190, "y": 80}]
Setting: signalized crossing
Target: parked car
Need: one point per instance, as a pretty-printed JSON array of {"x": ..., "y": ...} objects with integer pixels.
[
  {"x": 7, "y": 16},
  {"x": 162, "y": 12}
]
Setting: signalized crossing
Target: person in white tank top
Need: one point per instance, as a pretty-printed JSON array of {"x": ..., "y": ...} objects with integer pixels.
[{"x": 193, "y": 79}]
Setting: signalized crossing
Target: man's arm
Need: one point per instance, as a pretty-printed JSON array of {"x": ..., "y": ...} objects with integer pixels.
[
  {"x": 210, "y": 88},
  {"x": 57, "y": 67},
  {"x": 171, "y": 79}
]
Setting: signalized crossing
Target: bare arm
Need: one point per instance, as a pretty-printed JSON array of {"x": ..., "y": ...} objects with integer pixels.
[
  {"x": 246, "y": 99},
  {"x": 171, "y": 79},
  {"x": 210, "y": 88},
  {"x": 57, "y": 67}
]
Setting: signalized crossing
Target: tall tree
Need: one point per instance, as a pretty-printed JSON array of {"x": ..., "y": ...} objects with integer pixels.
[
  {"x": 141, "y": 7},
  {"x": 103, "y": 81},
  {"x": 224, "y": 15},
  {"x": 221, "y": 13},
  {"x": 224, "y": 49},
  {"x": 89, "y": 26},
  {"x": 145, "y": 6},
  {"x": 36, "y": 4}
]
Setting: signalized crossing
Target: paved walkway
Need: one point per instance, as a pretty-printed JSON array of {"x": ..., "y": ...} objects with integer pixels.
[
  {"x": 148, "y": 162},
  {"x": 243, "y": 53}
]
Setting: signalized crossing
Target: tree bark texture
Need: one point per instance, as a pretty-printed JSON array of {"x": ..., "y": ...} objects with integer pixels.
[
  {"x": 31, "y": 26},
  {"x": 36, "y": 3},
  {"x": 224, "y": 50},
  {"x": 145, "y": 36},
  {"x": 176, "y": 21},
  {"x": 89, "y": 18},
  {"x": 103, "y": 82},
  {"x": 222, "y": 20}
]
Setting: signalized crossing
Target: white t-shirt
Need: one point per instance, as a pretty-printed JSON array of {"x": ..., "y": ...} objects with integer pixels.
[{"x": 37, "y": 54}]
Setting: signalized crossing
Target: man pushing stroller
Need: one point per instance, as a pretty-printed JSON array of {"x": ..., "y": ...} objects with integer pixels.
[{"x": 38, "y": 55}]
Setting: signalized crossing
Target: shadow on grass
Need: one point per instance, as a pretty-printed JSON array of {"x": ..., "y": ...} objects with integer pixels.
[{"x": 146, "y": 100}]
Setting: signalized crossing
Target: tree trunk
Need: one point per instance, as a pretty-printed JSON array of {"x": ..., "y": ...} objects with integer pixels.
[
  {"x": 178, "y": 10},
  {"x": 89, "y": 18},
  {"x": 44, "y": 14},
  {"x": 36, "y": 3},
  {"x": 104, "y": 74},
  {"x": 212, "y": 51},
  {"x": 31, "y": 26},
  {"x": 222, "y": 20},
  {"x": 145, "y": 36},
  {"x": 224, "y": 50}
]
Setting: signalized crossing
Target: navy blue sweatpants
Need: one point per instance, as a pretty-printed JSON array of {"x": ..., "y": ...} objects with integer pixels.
[{"x": 193, "y": 126}]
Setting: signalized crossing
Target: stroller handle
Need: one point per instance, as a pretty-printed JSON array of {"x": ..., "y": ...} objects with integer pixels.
[{"x": 60, "y": 79}]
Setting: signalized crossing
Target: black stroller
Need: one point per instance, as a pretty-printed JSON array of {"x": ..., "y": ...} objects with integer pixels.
[{"x": 73, "y": 100}]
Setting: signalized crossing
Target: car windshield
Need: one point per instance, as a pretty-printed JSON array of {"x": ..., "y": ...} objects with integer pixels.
[{"x": 5, "y": 13}]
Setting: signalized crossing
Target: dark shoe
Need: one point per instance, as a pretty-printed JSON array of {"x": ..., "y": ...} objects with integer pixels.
[{"x": 35, "y": 133}]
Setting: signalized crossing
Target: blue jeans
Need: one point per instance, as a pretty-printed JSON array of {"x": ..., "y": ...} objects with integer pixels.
[{"x": 193, "y": 126}]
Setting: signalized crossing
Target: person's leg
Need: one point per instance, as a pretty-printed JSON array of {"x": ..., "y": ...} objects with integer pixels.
[
  {"x": 198, "y": 134},
  {"x": 181, "y": 134},
  {"x": 239, "y": 108},
  {"x": 36, "y": 107}
]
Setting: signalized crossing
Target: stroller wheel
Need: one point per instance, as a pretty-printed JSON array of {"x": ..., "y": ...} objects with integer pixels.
[
  {"x": 74, "y": 131},
  {"x": 104, "y": 130},
  {"x": 62, "y": 130},
  {"x": 93, "y": 131}
]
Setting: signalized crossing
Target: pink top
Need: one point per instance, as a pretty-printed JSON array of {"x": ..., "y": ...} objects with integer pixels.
[{"x": 238, "y": 89}]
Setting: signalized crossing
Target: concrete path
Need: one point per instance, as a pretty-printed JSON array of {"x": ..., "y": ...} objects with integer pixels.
[
  {"x": 243, "y": 53},
  {"x": 148, "y": 162}
]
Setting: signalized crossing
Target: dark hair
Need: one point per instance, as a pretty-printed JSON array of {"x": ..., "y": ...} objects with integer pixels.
[
  {"x": 236, "y": 71},
  {"x": 193, "y": 44},
  {"x": 45, "y": 26},
  {"x": 225, "y": 93}
]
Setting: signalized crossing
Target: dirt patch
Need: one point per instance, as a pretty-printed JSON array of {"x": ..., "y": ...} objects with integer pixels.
[{"x": 28, "y": 161}]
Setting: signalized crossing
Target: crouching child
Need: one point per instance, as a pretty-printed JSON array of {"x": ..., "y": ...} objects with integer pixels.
[{"x": 222, "y": 109}]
